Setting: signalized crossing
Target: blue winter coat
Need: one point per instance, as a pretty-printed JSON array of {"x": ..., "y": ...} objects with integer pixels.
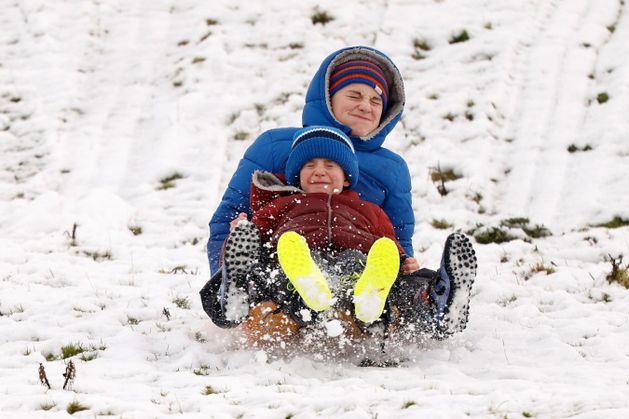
[{"x": 384, "y": 177}]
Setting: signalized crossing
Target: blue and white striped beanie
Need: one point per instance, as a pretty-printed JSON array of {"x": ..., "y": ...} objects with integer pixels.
[{"x": 324, "y": 143}]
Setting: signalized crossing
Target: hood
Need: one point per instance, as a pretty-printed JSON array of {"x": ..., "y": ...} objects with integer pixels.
[{"x": 317, "y": 110}]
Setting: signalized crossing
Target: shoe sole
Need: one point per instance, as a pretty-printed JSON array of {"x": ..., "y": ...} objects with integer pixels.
[
  {"x": 460, "y": 264},
  {"x": 296, "y": 262},
  {"x": 242, "y": 250},
  {"x": 373, "y": 286}
]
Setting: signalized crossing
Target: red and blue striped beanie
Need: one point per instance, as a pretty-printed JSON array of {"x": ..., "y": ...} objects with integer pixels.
[{"x": 360, "y": 71}]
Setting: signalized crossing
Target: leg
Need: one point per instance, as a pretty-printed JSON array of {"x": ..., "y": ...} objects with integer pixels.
[
  {"x": 373, "y": 287},
  {"x": 302, "y": 272},
  {"x": 239, "y": 281},
  {"x": 451, "y": 291}
]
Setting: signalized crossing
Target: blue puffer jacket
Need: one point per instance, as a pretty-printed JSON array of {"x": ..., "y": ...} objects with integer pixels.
[{"x": 384, "y": 177}]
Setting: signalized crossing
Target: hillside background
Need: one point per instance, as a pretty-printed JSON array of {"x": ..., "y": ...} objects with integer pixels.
[{"x": 122, "y": 122}]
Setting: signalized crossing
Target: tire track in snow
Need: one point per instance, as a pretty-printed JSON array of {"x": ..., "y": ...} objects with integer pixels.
[{"x": 547, "y": 113}]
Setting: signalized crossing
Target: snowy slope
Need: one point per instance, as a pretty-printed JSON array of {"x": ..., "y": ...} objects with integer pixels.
[{"x": 101, "y": 102}]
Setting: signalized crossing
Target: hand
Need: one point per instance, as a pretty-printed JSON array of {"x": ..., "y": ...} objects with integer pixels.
[
  {"x": 409, "y": 265},
  {"x": 241, "y": 217}
]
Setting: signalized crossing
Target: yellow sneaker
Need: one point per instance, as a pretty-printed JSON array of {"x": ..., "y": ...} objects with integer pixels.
[
  {"x": 296, "y": 262},
  {"x": 373, "y": 286}
]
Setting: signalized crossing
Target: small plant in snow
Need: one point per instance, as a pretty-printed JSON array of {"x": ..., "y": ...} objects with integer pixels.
[
  {"x": 408, "y": 404},
  {"x": 169, "y": 181},
  {"x": 540, "y": 267},
  {"x": 209, "y": 390},
  {"x": 602, "y": 97},
  {"x": 71, "y": 350},
  {"x": 440, "y": 224},
  {"x": 615, "y": 222},
  {"x": 619, "y": 274},
  {"x": 42, "y": 377},
  {"x": 75, "y": 406},
  {"x": 572, "y": 148},
  {"x": 491, "y": 235},
  {"x": 47, "y": 406},
  {"x": 182, "y": 302},
  {"x": 241, "y": 135},
  {"x": 136, "y": 230},
  {"x": 321, "y": 16},
  {"x": 69, "y": 375},
  {"x": 98, "y": 256},
  {"x": 461, "y": 36},
  {"x": 211, "y": 22},
  {"x": 440, "y": 177}
]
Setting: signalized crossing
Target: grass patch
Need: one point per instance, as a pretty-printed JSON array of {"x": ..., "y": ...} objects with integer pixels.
[
  {"x": 541, "y": 267},
  {"x": 208, "y": 391},
  {"x": 493, "y": 235},
  {"x": 136, "y": 230},
  {"x": 241, "y": 135},
  {"x": 71, "y": 350},
  {"x": 182, "y": 302},
  {"x": 169, "y": 181},
  {"x": 408, "y": 404},
  {"x": 132, "y": 321},
  {"x": 573, "y": 148},
  {"x": 535, "y": 232},
  {"x": 98, "y": 256},
  {"x": 440, "y": 224},
  {"x": 296, "y": 45},
  {"x": 440, "y": 177},
  {"x": 47, "y": 406},
  {"x": 602, "y": 97},
  {"x": 321, "y": 17},
  {"x": 459, "y": 37},
  {"x": 211, "y": 22},
  {"x": 202, "y": 370},
  {"x": 615, "y": 222},
  {"x": 421, "y": 46},
  {"x": 75, "y": 406},
  {"x": 619, "y": 274}
]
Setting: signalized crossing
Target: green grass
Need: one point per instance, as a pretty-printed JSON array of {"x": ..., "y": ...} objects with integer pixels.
[
  {"x": 136, "y": 230},
  {"x": 602, "y": 97},
  {"x": 75, "y": 406},
  {"x": 461, "y": 36},
  {"x": 169, "y": 181},
  {"x": 441, "y": 224},
  {"x": 321, "y": 17},
  {"x": 493, "y": 235},
  {"x": 615, "y": 222}
]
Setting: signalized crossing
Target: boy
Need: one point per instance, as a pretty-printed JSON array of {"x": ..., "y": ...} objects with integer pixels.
[{"x": 317, "y": 209}]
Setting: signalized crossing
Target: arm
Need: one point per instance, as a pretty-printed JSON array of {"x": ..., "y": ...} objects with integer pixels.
[
  {"x": 266, "y": 153},
  {"x": 399, "y": 207}
]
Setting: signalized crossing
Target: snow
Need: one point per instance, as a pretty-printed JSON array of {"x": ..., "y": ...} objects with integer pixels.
[{"x": 102, "y": 102}]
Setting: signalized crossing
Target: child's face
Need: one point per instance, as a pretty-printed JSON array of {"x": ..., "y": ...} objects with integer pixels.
[{"x": 322, "y": 175}]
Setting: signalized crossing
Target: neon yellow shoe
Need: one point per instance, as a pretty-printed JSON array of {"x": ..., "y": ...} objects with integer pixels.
[
  {"x": 296, "y": 262},
  {"x": 373, "y": 286}
]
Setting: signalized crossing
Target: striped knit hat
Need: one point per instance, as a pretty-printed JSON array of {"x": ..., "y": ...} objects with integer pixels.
[
  {"x": 360, "y": 71},
  {"x": 323, "y": 143}
]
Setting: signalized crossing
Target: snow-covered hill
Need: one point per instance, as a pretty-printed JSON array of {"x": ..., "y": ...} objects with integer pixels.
[{"x": 121, "y": 123}]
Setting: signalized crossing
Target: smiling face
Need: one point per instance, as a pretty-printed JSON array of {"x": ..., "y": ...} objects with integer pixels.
[
  {"x": 358, "y": 106},
  {"x": 322, "y": 176}
]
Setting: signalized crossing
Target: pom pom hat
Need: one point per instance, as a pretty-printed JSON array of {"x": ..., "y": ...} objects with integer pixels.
[
  {"x": 360, "y": 71},
  {"x": 324, "y": 143}
]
